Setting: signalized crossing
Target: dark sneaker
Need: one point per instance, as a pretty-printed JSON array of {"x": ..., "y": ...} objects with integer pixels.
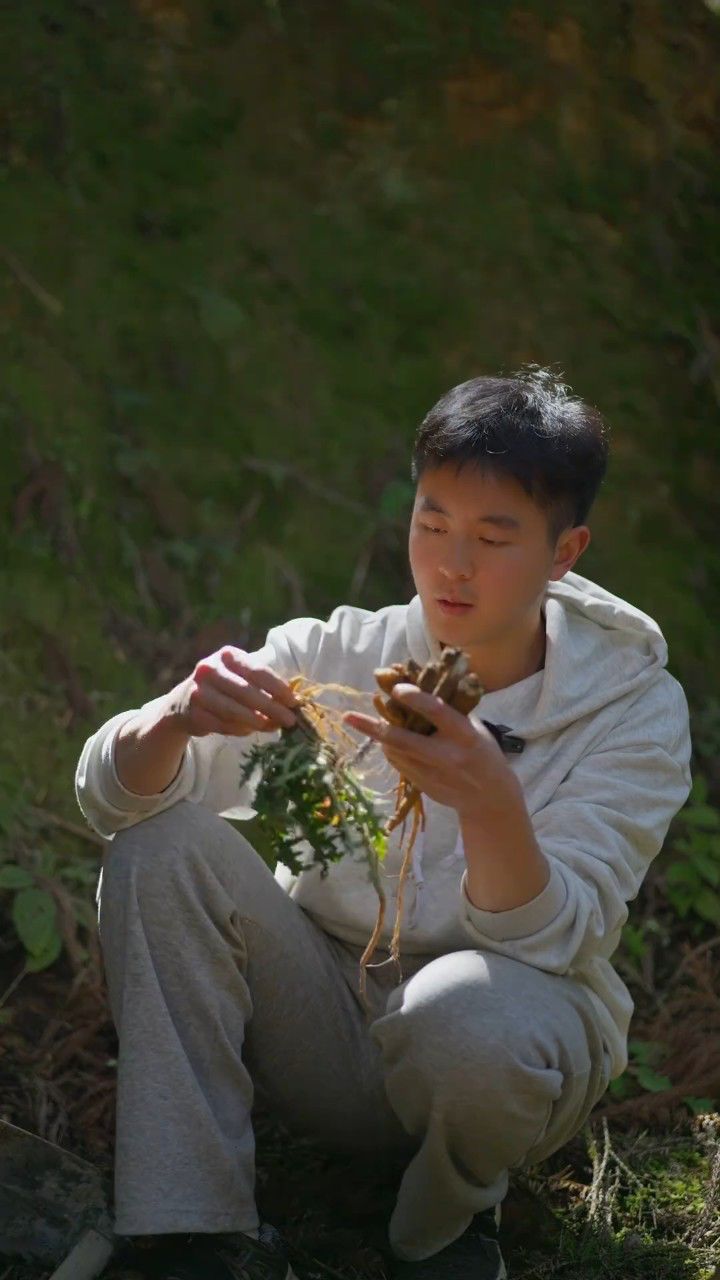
[
  {"x": 475, "y": 1255},
  {"x": 205, "y": 1256}
]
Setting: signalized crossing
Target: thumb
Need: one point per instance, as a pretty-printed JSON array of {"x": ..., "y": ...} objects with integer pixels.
[{"x": 453, "y": 724}]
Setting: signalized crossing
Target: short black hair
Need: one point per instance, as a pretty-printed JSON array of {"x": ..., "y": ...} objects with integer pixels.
[{"x": 527, "y": 426}]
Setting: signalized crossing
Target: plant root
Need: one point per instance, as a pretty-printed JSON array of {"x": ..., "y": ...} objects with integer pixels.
[
  {"x": 418, "y": 824},
  {"x": 450, "y": 679}
]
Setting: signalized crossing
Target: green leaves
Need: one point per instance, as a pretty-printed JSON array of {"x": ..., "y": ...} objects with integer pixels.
[
  {"x": 380, "y": 844},
  {"x": 14, "y": 877},
  {"x": 692, "y": 882},
  {"x": 706, "y": 904},
  {"x": 47, "y": 955},
  {"x": 634, "y": 942},
  {"x": 645, "y": 1056},
  {"x": 651, "y": 1080},
  {"x": 303, "y": 797},
  {"x": 643, "y": 1072},
  {"x": 33, "y": 912},
  {"x": 34, "y": 917},
  {"x": 700, "y": 1106}
]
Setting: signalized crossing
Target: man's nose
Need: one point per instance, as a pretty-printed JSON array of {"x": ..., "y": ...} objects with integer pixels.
[{"x": 456, "y": 564}]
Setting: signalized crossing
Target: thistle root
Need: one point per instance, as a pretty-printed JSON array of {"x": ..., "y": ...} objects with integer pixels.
[{"x": 450, "y": 679}]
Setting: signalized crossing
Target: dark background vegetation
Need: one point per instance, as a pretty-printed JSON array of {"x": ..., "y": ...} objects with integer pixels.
[{"x": 243, "y": 248}]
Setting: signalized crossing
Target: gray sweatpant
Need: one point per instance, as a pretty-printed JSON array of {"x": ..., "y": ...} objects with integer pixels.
[{"x": 220, "y": 983}]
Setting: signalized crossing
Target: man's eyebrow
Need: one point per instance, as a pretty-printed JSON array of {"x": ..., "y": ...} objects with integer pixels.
[{"x": 502, "y": 521}]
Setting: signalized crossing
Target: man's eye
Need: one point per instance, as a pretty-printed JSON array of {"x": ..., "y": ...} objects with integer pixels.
[{"x": 431, "y": 528}]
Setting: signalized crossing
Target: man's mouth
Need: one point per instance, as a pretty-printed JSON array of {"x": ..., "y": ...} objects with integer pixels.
[{"x": 449, "y": 605}]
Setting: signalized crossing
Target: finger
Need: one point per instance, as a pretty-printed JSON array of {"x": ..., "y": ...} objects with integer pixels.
[
  {"x": 247, "y": 694},
  {"x": 231, "y": 713},
  {"x": 366, "y": 724},
  {"x": 449, "y": 721},
  {"x": 412, "y": 746},
  {"x": 383, "y": 732},
  {"x": 261, "y": 677}
]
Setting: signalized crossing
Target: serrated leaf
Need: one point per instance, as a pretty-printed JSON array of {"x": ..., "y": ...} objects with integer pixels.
[
  {"x": 47, "y": 956},
  {"x": 34, "y": 914},
  {"x": 14, "y": 877}
]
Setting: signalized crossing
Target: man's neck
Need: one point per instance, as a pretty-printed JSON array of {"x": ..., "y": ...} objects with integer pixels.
[{"x": 498, "y": 670}]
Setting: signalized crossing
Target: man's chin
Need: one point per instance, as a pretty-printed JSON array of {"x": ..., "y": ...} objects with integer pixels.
[{"x": 454, "y": 632}]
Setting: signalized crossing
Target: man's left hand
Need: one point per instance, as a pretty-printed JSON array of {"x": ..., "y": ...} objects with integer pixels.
[{"x": 460, "y": 765}]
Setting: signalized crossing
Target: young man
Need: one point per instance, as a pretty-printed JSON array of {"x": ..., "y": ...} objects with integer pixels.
[{"x": 510, "y": 1020}]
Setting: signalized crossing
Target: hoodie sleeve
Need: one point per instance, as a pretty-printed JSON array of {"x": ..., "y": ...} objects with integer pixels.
[
  {"x": 605, "y": 824},
  {"x": 209, "y": 772}
]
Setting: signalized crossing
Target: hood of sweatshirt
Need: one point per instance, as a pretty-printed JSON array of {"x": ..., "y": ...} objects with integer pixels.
[{"x": 599, "y": 648}]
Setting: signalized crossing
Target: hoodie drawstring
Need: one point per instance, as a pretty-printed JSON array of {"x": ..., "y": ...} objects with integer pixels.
[{"x": 416, "y": 871}]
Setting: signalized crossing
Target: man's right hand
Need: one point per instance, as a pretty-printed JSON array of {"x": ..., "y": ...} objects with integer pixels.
[{"x": 227, "y": 694}]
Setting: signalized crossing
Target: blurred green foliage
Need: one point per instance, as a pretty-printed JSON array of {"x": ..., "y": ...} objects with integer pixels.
[{"x": 692, "y": 881}]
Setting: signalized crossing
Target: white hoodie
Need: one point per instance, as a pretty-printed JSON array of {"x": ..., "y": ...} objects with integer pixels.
[{"x": 604, "y": 769}]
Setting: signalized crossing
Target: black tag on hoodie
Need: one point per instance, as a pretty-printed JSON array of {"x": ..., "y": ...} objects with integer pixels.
[{"x": 505, "y": 739}]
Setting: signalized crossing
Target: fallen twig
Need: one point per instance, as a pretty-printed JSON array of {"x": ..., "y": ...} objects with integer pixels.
[
  {"x": 64, "y": 824},
  {"x": 41, "y": 295},
  {"x": 285, "y": 471}
]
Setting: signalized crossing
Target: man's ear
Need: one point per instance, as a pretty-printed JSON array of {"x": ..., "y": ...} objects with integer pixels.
[{"x": 570, "y": 546}]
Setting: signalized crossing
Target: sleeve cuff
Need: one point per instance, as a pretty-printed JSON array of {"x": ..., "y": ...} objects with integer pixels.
[
  {"x": 518, "y": 922},
  {"x": 129, "y": 801}
]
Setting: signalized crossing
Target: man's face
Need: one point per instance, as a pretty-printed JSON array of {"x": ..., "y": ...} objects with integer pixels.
[{"x": 499, "y": 566}]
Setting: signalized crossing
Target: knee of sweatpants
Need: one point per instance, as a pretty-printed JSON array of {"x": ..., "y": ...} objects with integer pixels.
[
  {"x": 160, "y": 852},
  {"x": 479, "y": 1017}
]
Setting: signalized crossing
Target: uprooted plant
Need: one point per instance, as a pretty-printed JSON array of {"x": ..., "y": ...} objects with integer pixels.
[{"x": 311, "y": 802}]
